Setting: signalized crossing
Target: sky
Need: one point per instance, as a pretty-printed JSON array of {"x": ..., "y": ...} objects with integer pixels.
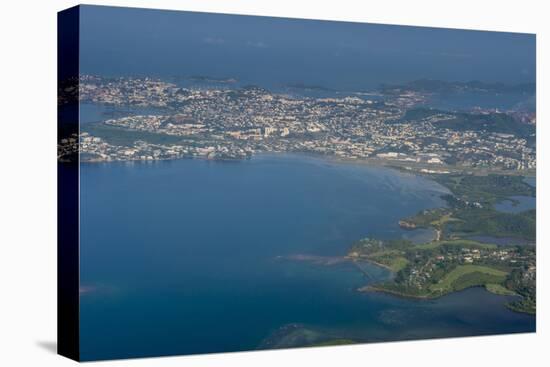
[{"x": 271, "y": 51}]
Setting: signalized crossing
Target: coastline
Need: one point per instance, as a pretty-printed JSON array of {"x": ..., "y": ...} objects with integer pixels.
[
  {"x": 380, "y": 265},
  {"x": 334, "y": 160},
  {"x": 509, "y": 305},
  {"x": 373, "y": 288},
  {"x": 408, "y": 167}
]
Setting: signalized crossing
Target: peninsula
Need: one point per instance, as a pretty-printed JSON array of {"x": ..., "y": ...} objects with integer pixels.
[{"x": 456, "y": 259}]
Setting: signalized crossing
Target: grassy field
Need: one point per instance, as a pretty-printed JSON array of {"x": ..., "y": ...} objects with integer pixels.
[
  {"x": 464, "y": 276},
  {"x": 499, "y": 289},
  {"x": 443, "y": 220},
  {"x": 461, "y": 243},
  {"x": 391, "y": 259}
]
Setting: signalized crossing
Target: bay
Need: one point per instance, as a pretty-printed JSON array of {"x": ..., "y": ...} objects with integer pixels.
[{"x": 194, "y": 256}]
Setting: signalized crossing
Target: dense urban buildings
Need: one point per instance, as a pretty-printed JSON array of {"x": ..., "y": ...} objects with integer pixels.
[{"x": 224, "y": 122}]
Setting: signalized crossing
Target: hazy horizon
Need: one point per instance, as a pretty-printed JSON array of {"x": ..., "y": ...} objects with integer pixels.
[{"x": 274, "y": 51}]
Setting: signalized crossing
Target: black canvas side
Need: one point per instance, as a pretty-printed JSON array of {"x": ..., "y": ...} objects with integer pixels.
[{"x": 68, "y": 184}]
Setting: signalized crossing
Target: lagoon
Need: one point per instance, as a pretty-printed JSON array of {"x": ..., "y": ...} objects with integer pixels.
[
  {"x": 196, "y": 256},
  {"x": 516, "y": 204}
]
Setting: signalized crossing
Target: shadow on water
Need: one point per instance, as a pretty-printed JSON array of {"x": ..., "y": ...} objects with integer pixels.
[{"x": 48, "y": 345}]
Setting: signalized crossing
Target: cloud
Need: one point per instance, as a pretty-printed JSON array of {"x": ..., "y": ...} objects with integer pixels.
[
  {"x": 214, "y": 40},
  {"x": 257, "y": 44},
  {"x": 456, "y": 55},
  {"x": 453, "y": 55}
]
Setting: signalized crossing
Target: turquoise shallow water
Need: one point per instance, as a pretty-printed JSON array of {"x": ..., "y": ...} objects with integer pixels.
[{"x": 191, "y": 256}]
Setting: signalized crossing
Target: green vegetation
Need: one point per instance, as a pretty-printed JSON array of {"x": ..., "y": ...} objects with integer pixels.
[
  {"x": 470, "y": 208},
  {"x": 119, "y": 136},
  {"x": 428, "y": 217},
  {"x": 464, "y": 276},
  {"x": 525, "y": 305},
  {"x": 492, "y": 122},
  {"x": 385, "y": 253},
  {"x": 333, "y": 342},
  {"x": 499, "y": 289},
  {"x": 390, "y": 259},
  {"x": 462, "y": 121},
  {"x": 461, "y": 242},
  {"x": 452, "y": 262},
  {"x": 297, "y": 335},
  {"x": 493, "y": 223},
  {"x": 486, "y": 190},
  {"x": 523, "y": 281},
  {"x": 368, "y": 246}
]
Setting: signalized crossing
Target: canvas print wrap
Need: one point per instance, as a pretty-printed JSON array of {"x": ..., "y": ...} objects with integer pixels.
[{"x": 238, "y": 183}]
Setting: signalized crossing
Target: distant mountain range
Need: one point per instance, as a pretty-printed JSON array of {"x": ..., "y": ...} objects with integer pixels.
[{"x": 444, "y": 87}]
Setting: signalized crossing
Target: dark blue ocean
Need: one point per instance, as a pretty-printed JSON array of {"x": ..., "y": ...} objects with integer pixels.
[{"x": 192, "y": 256}]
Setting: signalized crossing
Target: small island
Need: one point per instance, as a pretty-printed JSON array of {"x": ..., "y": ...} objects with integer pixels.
[{"x": 457, "y": 258}]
